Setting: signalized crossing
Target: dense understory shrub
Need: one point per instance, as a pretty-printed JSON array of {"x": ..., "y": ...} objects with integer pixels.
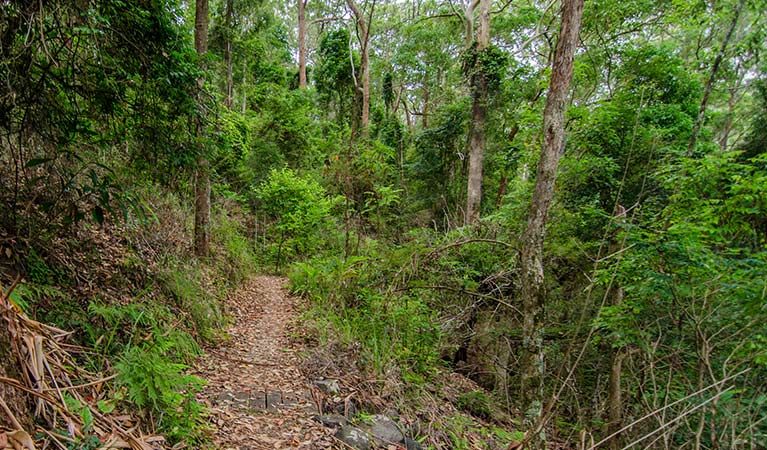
[{"x": 300, "y": 212}]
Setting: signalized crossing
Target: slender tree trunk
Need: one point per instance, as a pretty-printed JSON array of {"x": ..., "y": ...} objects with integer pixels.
[
  {"x": 614, "y": 391},
  {"x": 229, "y": 12},
  {"x": 425, "y": 112},
  {"x": 504, "y": 182},
  {"x": 476, "y": 152},
  {"x": 364, "y": 68},
  {"x": 617, "y": 354},
  {"x": 531, "y": 253},
  {"x": 202, "y": 178},
  {"x": 477, "y": 138},
  {"x": 302, "y": 44},
  {"x": 364, "y": 35},
  {"x": 503, "y": 186},
  {"x": 712, "y": 78},
  {"x": 244, "y": 85}
]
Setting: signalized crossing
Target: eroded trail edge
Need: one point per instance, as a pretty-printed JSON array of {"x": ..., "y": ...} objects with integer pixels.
[{"x": 257, "y": 397}]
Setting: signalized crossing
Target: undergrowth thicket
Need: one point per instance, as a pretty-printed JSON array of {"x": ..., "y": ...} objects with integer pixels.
[{"x": 147, "y": 322}]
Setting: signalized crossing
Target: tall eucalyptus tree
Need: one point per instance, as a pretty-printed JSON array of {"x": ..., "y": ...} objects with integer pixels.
[{"x": 533, "y": 290}]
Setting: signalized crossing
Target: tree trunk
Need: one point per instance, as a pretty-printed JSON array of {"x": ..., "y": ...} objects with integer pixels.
[
  {"x": 712, "y": 79},
  {"x": 477, "y": 139},
  {"x": 202, "y": 179},
  {"x": 201, "y": 27},
  {"x": 364, "y": 68},
  {"x": 302, "y": 44},
  {"x": 228, "y": 97},
  {"x": 531, "y": 253},
  {"x": 425, "y": 109},
  {"x": 364, "y": 36},
  {"x": 244, "y": 85},
  {"x": 476, "y": 149},
  {"x": 614, "y": 392}
]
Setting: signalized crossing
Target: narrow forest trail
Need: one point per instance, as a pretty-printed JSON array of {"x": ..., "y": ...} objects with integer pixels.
[{"x": 257, "y": 397}]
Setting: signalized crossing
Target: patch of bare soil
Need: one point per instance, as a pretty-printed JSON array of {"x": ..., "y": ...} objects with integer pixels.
[{"x": 257, "y": 397}]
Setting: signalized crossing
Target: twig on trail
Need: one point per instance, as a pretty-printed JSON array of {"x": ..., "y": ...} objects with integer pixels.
[
  {"x": 10, "y": 415},
  {"x": 55, "y": 439},
  {"x": 18, "y": 385},
  {"x": 80, "y": 386},
  {"x": 346, "y": 402}
]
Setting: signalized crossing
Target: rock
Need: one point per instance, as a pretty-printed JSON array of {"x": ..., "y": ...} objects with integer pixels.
[
  {"x": 328, "y": 386},
  {"x": 385, "y": 431},
  {"x": 331, "y": 420},
  {"x": 354, "y": 437},
  {"x": 411, "y": 444}
]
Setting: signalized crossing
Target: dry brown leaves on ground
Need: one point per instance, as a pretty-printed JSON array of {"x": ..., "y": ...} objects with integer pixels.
[
  {"x": 257, "y": 396},
  {"x": 60, "y": 390}
]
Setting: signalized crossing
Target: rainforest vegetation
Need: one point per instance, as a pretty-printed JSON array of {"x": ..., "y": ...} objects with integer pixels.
[{"x": 562, "y": 202}]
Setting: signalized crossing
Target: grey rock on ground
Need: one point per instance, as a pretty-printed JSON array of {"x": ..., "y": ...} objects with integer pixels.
[
  {"x": 354, "y": 437},
  {"x": 384, "y": 430},
  {"x": 328, "y": 386},
  {"x": 411, "y": 444}
]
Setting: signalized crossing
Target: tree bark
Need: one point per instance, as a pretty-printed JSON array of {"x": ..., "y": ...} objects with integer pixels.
[
  {"x": 364, "y": 37},
  {"x": 533, "y": 291},
  {"x": 302, "y": 44},
  {"x": 425, "y": 109},
  {"x": 614, "y": 391},
  {"x": 202, "y": 178},
  {"x": 201, "y": 27},
  {"x": 244, "y": 85},
  {"x": 712, "y": 79},
  {"x": 477, "y": 132},
  {"x": 228, "y": 13}
]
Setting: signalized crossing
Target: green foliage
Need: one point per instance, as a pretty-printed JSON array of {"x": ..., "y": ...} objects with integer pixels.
[
  {"x": 703, "y": 269},
  {"x": 162, "y": 387},
  {"x": 436, "y": 163},
  {"x": 756, "y": 141},
  {"x": 475, "y": 403},
  {"x": 491, "y": 63},
  {"x": 237, "y": 258},
  {"x": 396, "y": 332},
  {"x": 333, "y": 74},
  {"x": 300, "y": 211},
  {"x": 75, "y": 109},
  {"x": 184, "y": 284}
]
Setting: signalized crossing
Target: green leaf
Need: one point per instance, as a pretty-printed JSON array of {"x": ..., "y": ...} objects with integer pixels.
[
  {"x": 37, "y": 162},
  {"x": 106, "y": 406},
  {"x": 98, "y": 215}
]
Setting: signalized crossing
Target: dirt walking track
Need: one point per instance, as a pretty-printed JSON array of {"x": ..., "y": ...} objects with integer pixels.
[{"x": 257, "y": 396}]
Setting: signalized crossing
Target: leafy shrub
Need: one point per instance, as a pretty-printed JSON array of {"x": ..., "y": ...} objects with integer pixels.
[
  {"x": 184, "y": 282},
  {"x": 475, "y": 403},
  {"x": 300, "y": 210},
  {"x": 161, "y": 387},
  {"x": 237, "y": 258},
  {"x": 397, "y": 332}
]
